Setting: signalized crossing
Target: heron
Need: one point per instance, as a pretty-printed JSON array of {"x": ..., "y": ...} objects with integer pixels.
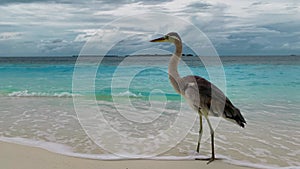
[{"x": 200, "y": 93}]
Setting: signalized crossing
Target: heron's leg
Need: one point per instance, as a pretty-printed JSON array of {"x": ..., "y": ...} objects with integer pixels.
[
  {"x": 212, "y": 141},
  {"x": 200, "y": 132}
]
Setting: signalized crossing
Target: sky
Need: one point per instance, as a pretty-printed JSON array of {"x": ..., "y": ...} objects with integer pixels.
[{"x": 234, "y": 27}]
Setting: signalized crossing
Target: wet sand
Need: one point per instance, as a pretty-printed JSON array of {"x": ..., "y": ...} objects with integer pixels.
[{"x": 24, "y": 157}]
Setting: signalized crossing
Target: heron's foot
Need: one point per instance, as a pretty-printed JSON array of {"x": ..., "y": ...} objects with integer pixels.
[
  {"x": 208, "y": 159},
  {"x": 211, "y": 160}
]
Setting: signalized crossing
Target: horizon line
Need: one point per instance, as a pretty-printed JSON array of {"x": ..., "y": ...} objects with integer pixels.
[{"x": 186, "y": 55}]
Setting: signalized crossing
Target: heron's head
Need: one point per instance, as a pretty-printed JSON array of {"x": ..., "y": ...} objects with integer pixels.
[{"x": 171, "y": 37}]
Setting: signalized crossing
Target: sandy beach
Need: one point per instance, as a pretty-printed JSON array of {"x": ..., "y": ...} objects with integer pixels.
[{"x": 24, "y": 157}]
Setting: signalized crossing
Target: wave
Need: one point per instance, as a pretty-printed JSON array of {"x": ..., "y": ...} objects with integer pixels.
[
  {"x": 26, "y": 93},
  {"x": 142, "y": 94},
  {"x": 66, "y": 150},
  {"x": 101, "y": 95},
  {"x": 128, "y": 94}
]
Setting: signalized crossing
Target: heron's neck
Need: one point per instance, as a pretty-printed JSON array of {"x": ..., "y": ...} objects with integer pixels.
[{"x": 173, "y": 67}]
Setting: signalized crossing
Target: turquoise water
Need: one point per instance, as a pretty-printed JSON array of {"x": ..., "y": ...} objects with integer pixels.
[
  {"x": 267, "y": 78},
  {"x": 36, "y": 105}
]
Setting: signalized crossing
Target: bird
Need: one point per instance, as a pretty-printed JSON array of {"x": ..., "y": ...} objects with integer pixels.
[{"x": 200, "y": 93}]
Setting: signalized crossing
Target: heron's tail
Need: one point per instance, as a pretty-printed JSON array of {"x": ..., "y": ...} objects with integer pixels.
[{"x": 233, "y": 114}]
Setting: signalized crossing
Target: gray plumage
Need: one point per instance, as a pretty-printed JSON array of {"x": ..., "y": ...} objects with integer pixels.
[{"x": 204, "y": 97}]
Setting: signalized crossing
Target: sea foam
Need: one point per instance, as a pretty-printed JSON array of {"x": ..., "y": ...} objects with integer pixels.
[{"x": 26, "y": 93}]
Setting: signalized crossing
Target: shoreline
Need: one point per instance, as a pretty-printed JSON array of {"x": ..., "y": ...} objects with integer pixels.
[{"x": 14, "y": 155}]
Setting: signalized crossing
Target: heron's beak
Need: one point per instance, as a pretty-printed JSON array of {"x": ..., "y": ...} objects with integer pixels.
[{"x": 162, "y": 39}]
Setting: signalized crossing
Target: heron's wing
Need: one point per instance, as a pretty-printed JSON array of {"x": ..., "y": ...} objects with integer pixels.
[
  {"x": 192, "y": 96},
  {"x": 202, "y": 94}
]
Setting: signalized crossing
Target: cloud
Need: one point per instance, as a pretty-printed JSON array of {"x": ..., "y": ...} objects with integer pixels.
[
  {"x": 10, "y": 35},
  {"x": 198, "y": 7},
  {"x": 7, "y": 2},
  {"x": 255, "y": 27},
  {"x": 58, "y": 47},
  {"x": 63, "y": 26}
]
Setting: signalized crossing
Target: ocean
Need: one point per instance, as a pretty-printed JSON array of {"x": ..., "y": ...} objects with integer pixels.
[{"x": 125, "y": 107}]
